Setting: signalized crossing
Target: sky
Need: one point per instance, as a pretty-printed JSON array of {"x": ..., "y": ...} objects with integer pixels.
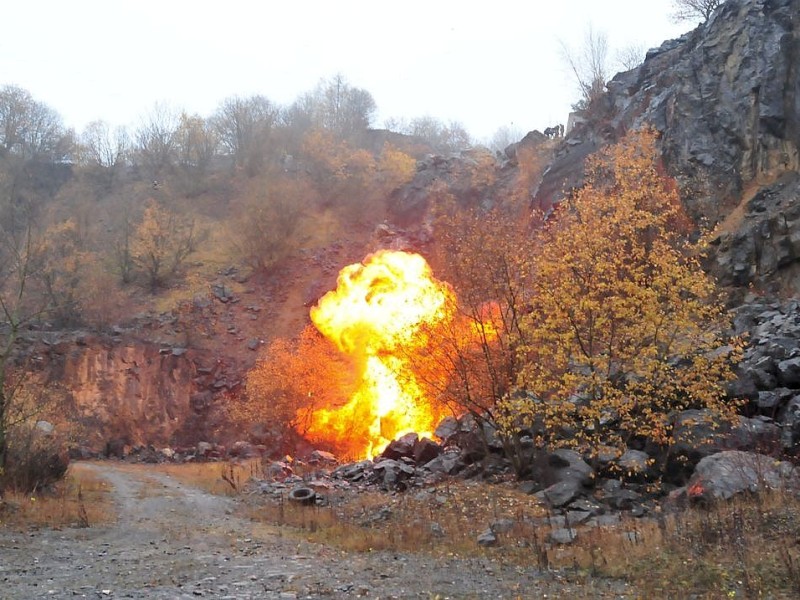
[{"x": 484, "y": 64}]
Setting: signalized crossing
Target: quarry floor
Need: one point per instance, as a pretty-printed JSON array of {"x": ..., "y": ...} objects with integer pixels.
[{"x": 171, "y": 540}]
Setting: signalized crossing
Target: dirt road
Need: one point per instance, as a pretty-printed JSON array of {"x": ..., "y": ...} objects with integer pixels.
[{"x": 174, "y": 541}]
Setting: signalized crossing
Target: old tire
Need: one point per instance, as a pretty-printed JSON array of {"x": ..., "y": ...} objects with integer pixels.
[{"x": 303, "y": 495}]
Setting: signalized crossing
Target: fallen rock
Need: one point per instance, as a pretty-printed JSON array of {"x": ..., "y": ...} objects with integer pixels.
[
  {"x": 723, "y": 475},
  {"x": 487, "y": 538},
  {"x": 563, "y": 536}
]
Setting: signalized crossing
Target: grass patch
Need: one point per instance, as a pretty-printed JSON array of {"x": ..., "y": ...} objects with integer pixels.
[
  {"x": 218, "y": 478},
  {"x": 443, "y": 520},
  {"x": 744, "y": 548},
  {"x": 81, "y": 499}
]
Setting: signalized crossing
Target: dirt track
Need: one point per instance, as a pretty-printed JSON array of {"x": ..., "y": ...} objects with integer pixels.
[{"x": 175, "y": 541}]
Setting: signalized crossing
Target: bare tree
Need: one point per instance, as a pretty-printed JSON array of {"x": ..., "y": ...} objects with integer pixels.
[
  {"x": 630, "y": 56},
  {"x": 161, "y": 244},
  {"x": 243, "y": 126},
  {"x": 30, "y": 129},
  {"x": 270, "y": 227},
  {"x": 156, "y": 139},
  {"x": 589, "y": 65},
  {"x": 345, "y": 109},
  {"x": 504, "y": 137},
  {"x": 196, "y": 142},
  {"x": 450, "y": 137},
  {"x": 692, "y": 10},
  {"x": 103, "y": 146}
]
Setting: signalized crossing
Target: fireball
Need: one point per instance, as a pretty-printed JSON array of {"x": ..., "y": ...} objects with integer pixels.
[{"x": 374, "y": 316}]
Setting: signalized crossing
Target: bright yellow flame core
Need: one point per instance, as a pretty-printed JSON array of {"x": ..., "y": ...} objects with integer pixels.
[{"x": 374, "y": 315}]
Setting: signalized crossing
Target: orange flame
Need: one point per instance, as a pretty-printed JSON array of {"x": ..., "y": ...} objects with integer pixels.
[{"x": 373, "y": 316}]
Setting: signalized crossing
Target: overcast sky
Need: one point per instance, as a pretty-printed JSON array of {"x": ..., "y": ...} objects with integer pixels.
[{"x": 484, "y": 64}]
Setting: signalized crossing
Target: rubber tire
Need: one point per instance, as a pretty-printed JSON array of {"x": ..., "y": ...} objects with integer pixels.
[{"x": 303, "y": 495}]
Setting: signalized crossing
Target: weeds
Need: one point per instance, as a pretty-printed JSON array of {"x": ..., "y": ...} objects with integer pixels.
[{"x": 80, "y": 500}]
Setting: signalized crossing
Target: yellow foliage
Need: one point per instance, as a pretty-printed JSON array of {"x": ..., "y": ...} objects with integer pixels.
[
  {"x": 623, "y": 325},
  {"x": 395, "y": 167},
  {"x": 62, "y": 268},
  {"x": 162, "y": 242}
]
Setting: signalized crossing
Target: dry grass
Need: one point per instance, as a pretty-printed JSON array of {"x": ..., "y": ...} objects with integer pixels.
[
  {"x": 740, "y": 549},
  {"x": 82, "y": 499},
  {"x": 219, "y": 478},
  {"x": 442, "y": 520},
  {"x": 744, "y": 548}
]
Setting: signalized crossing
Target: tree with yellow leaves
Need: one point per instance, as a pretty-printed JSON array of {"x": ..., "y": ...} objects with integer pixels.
[
  {"x": 62, "y": 269},
  {"x": 161, "y": 244},
  {"x": 623, "y": 326}
]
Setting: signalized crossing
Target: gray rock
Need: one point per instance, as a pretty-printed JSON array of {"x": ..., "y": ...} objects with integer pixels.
[
  {"x": 447, "y": 463},
  {"x": 576, "y": 517},
  {"x": 585, "y": 505},
  {"x": 561, "y": 493},
  {"x": 487, "y": 539},
  {"x": 623, "y": 499},
  {"x": 425, "y": 450},
  {"x": 401, "y": 447},
  {"x": 789, "y": 372},
  {"x": 447, "y": 428},
  {"x": 502, "y": 525},
  {"x": 723, "y": 475},
  {"x": 790, "y": 424},
  {"x": 754, "y": 434},
  {"x": 563, "y": 536},
  {"x": 45, "y": 428},
  {"x": 634, "y": 463}
]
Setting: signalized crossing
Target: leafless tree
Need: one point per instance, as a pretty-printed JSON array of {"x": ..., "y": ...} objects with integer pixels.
[
  {"x": 18, "y": 250},
  {"x": 30, "y": 129},
  {"x": 103, "y": 146},
  {"x": 504, "y": 137},
  {"x": 589, "y": 66},
  {"x": 345, "y": 109},
  {"x": 631, "y": 56},
  {"x": 156, "y": 139},
  {"x": 692, "y": 10},
  {"x": 444, "y": 137},
  {"x": 243, "y": 126}
]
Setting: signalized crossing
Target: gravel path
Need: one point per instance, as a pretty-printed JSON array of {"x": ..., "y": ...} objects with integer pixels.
[{"x": 174, "y": 541}]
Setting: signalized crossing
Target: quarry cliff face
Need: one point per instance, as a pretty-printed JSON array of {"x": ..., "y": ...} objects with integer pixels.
[
  {"x": 138, "y": 392},
  {"x": 725, "y": 99}
]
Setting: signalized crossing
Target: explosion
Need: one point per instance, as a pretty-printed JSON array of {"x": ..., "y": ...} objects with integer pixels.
[{"x": 374, "y": 316}]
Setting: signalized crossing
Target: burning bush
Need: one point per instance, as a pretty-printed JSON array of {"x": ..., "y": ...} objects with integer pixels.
[{"x": 291, "y": 380}]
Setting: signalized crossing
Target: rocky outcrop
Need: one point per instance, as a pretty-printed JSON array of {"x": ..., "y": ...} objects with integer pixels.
[
  {"x": 762, "y": 247},
  {"x": 468, "y": 177},
  {"x": 726, "y": 101},
  {"x": 135, "y": 392}
]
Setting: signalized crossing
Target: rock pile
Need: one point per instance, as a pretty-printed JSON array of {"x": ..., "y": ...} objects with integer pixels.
[{"x": 769, "y": 373}]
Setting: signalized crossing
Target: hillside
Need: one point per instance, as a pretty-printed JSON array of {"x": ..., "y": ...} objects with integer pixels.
[{"x": 155, "y": 352}]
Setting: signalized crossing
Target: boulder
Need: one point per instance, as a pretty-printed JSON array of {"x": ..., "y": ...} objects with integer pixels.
[
  {"x": 561, "y": 493},
  {"x": 425, "y": 450},
  {"x": 789, "y": 372},
  {"x": 402, "y": 447},
  {"x": 634, "y": 464},
  {"x": 725, "y": 474},
  {"x": 487, "y": 539},
  {"x": 563, "y": 536}
]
